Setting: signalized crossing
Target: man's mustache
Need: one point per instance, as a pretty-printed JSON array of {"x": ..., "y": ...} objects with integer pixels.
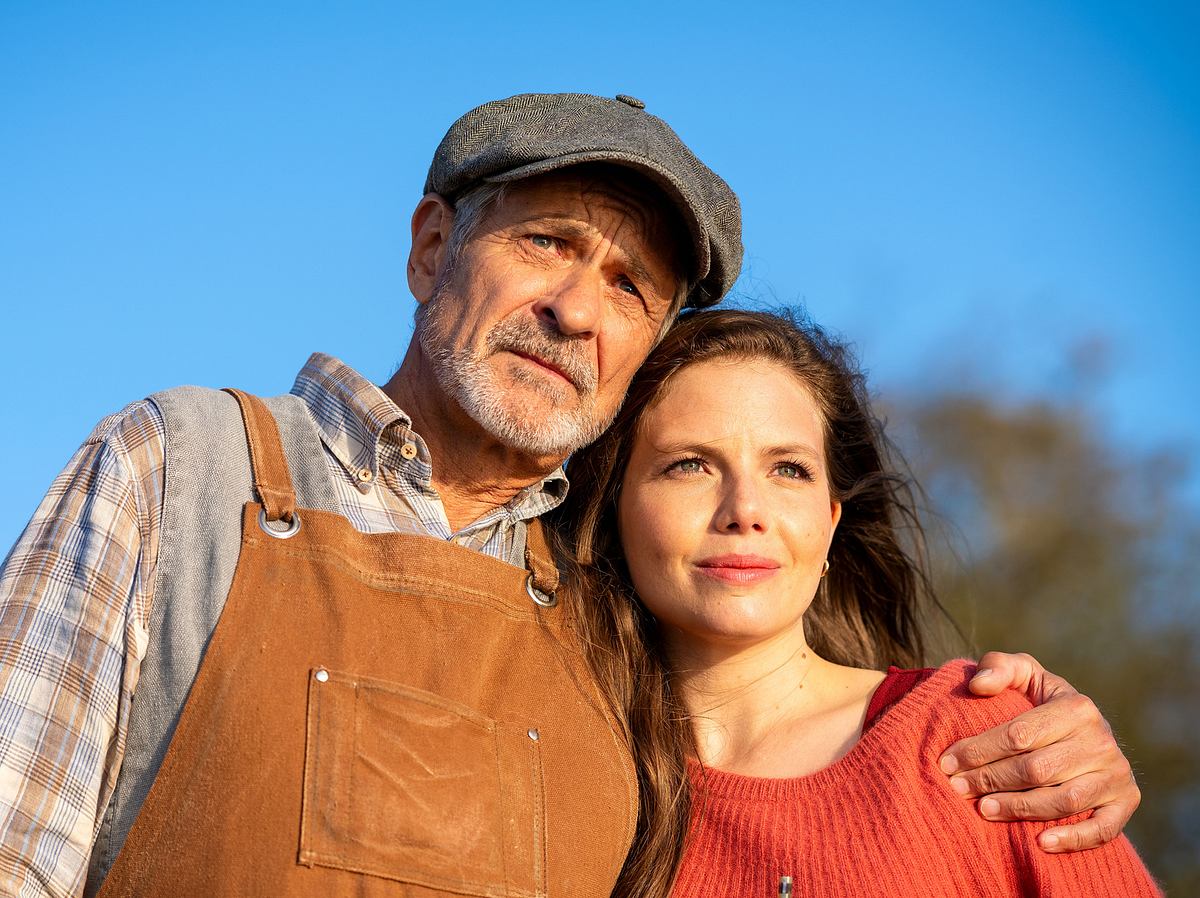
[{"x": 527, "y": 337}]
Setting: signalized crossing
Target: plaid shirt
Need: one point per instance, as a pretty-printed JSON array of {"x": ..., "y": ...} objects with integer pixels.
[{"x": 77, "y": 588}]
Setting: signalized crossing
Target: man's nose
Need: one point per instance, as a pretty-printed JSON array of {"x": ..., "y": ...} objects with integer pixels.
[
  {"x": 574, "y": 302},
  {"x": 742, "y": 508}
]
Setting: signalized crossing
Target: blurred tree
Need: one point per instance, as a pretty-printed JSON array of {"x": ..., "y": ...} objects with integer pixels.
[{"x": 1048, "y": 539}]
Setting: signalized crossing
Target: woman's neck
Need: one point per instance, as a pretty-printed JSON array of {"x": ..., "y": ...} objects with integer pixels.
[{"x": 771, "y": 709}]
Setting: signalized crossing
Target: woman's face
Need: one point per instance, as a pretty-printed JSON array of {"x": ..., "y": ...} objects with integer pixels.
[{"x": 725, "y": 513}]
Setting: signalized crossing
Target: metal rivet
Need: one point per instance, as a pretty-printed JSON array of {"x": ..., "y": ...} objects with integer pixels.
[
  {"x": 322, "y": 675},
  {"x": 409, "y": 450},
  {"x": 546, "y": 600},
  {"x": 533, "y": 734},
  {"x": 292, "y": 529}
]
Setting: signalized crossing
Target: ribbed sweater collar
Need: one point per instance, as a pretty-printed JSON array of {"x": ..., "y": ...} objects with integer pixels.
[{"x": 874, "y": 748}]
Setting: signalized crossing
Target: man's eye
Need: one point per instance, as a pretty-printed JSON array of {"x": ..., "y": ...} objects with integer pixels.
[
  {"x": 627, "y": 286},
  {"x": 541, "y": 241}
]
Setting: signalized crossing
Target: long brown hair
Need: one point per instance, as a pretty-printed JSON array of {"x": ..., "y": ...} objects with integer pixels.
[{"x": 866, "y": 611}]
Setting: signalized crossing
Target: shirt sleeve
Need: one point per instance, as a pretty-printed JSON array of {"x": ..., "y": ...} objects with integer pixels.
[{"x": 75, "y": 596}]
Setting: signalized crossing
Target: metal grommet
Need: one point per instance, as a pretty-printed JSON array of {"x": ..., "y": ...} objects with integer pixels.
[
  {"x": 549, "y": 600},
  {"x": 292, "y": 530}
]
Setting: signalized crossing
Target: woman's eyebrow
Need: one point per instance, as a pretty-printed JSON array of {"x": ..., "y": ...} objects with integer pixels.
[
  {"x": 793, "y": 449},
  {"x": 674, "y": 447}
]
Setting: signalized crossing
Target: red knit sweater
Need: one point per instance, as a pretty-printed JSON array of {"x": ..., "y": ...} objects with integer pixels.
[{"x": 884, "y": 821}]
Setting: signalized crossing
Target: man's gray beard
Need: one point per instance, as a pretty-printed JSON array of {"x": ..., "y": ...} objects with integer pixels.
[{"x": 468, "y": 380}]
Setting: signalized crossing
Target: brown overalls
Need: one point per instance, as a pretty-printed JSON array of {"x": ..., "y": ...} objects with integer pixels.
[{"x": 381, "y": 715}]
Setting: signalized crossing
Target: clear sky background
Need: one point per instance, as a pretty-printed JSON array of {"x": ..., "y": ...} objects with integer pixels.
[{"x": 206, "y": 192}]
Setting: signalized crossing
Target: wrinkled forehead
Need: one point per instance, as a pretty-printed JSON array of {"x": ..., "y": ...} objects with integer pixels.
[{"x": 655, "y": 221}]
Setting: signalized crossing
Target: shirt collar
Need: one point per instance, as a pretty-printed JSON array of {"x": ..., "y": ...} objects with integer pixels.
[
  {"x": 350, "y": 411},
  {"x": 352, "y": 414}
]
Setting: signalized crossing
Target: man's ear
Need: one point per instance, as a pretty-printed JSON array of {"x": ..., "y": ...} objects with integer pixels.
[{"x": 431, "y": 224}]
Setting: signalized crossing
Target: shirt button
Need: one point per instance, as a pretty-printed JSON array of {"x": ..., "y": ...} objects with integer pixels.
[
  {"x": 365, "y": 475},
  {"x": 409, "y": 451}
]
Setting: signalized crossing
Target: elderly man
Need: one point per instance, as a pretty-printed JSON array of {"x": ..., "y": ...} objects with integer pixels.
[{"x": 311, "y": 645}]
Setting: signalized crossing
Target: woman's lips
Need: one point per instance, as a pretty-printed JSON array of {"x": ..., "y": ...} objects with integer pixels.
[{"x": 738, "y": 568}]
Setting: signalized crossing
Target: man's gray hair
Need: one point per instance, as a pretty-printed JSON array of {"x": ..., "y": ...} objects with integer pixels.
[{"x": 471, "y": 209}]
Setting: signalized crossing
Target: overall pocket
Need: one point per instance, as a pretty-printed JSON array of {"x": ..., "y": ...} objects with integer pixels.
[{"x": 407, "y": 785}]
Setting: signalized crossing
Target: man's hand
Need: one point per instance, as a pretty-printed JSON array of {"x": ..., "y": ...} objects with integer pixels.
[{"x": 1057, "y": 759}]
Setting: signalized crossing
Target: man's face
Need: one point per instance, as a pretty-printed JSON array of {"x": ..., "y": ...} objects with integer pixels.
[{"x": 549, "y": 310}]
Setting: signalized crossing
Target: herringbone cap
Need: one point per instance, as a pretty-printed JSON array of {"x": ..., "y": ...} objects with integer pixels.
[{"x": 530, "y": 134}]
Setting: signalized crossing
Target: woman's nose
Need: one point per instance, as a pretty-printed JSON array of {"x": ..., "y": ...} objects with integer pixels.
[{"x": 742, "y": 509}]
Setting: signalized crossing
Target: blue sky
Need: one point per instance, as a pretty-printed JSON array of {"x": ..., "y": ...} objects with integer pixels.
[{"x": 205, "y": 193}]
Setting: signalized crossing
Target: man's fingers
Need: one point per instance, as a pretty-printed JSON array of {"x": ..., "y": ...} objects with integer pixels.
[
  {"x": 1103, "y": 826},
  {"x": 998, "y": 671},
  {"x": 1048, "y": 802},
  {"x": 1047, "y": 766},
  {"x": 1034, "y": 729},
  {"x": 1056, "y": 760}
]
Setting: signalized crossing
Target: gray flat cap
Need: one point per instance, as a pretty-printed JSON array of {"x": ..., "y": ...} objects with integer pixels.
[{"x": 530, "y": 134}]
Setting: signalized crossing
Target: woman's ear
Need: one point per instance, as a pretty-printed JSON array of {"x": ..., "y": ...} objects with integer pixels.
[
  {"x": 835, "y": 513},
  {"x": 432, "y": 222}
]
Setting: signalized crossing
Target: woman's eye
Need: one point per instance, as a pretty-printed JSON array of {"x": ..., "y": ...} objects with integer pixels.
[
  {"x": 794, "y": 471},
  {"x": 687, "y": 466},
  {"x": 627, "y": 286}
]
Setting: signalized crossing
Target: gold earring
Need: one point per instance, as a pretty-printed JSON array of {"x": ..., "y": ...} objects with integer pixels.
[{"x": 825, "y": 568}]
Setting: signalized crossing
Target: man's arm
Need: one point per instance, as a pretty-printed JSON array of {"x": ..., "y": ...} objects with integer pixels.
[
  {"x": 74, "y": 603},
  {"x": 1057, "y": 759}
]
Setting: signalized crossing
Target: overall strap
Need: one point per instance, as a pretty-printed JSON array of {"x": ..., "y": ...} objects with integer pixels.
[
  {"x": 272, "y": 479},
  {"x": 538, "y": 560}
]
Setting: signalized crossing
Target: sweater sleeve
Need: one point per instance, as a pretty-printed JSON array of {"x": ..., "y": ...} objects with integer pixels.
[{"x": 1114, "y": 869}]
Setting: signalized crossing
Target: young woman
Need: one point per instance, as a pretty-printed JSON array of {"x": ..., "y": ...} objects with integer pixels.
[{"x": 739, "y": 527}]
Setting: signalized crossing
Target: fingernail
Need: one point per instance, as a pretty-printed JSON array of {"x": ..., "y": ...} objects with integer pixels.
[
  {"x": 989, "y": 807},
  {"x": 982, "y": 673},
  {"x": 949, "y": 764},
  {"x": 1050, "y": 841},
  {"x": 960, "y": 785}
]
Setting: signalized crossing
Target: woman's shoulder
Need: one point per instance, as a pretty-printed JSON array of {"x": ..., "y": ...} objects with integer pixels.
[
  {"x": 896, "y": 683},
  {"x": 939, "y": 704}
]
